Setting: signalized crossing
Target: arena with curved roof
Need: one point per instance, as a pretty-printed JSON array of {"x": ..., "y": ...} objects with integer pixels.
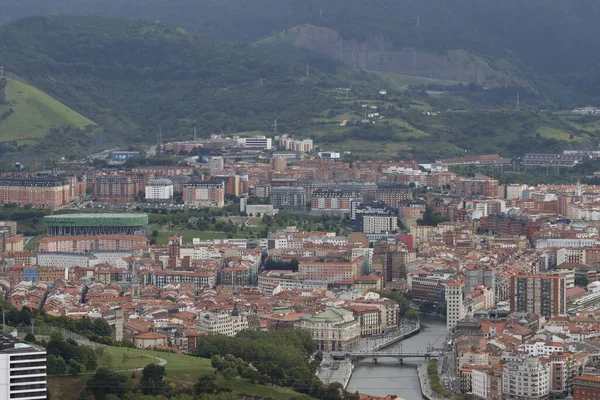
[{"x": 96, "y": 224}]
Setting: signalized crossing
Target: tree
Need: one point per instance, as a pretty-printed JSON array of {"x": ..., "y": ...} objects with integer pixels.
[
  {"x": 152, "y": 379},
  {"x": 30, "y": 338},
  {"x": 105, "y": 382},
  {"x": 101, "y": 328},
  {"x": 206, "y": 384},
  {"x": 55, "y": 365},
  {"x": 250, "y": 374},
  {"x": 74, "y": 367}
]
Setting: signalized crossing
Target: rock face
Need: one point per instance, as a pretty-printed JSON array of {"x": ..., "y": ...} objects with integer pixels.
[{"x": 377, "y": 54}]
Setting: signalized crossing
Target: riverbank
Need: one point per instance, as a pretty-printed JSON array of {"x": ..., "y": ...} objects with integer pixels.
[
  {"x": 426, "y": 390},
  {"x": 388, "y": 376},
  {"x": 336, "y": 371},
  {"x": 332, "y": 370}
]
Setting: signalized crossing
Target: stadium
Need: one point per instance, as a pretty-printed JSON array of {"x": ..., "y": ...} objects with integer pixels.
[{"x": 96, "y": 224}]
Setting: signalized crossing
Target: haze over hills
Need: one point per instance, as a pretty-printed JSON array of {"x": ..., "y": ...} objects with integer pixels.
[
  {"x": 548, "y": 46},
  {"x": 134, "y": 77}
]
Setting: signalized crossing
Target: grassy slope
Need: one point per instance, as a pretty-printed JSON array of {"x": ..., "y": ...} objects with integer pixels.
[
  {"x": 35, "y": 112},
  {"x": 180, "y": 368}
]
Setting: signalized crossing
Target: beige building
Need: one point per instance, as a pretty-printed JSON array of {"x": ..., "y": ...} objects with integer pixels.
[
  {"x": 150, "y": 339},
  {"x": 334, "y": 329},
  {"x": 215, "y": 323},
  {"x": 528, "y": 379}
]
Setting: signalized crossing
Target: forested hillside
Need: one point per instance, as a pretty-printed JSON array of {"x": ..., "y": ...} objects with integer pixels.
[
  {"x": 550, "y": 43},
  {"x": 134, "y": 77}
]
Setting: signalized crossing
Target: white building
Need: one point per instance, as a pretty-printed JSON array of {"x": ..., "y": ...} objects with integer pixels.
[
  {"x": 377, "y": 223},
  {"x": 455, "y": 307},
  {"x": 261, "y": 142},
  {"x": 334, "y": 329},
  {"x": 528, "y": 379},
  {"x": 558, "y": 243},
  {"x": 159, "y": 189},
  {"x": 215, "y": 323},
  {"x": 22, "y": 370},
  {"x": 480, "y": 383}
]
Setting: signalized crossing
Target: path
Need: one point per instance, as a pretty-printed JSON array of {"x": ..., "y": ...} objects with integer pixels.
[{"x": 161, "y": 361}]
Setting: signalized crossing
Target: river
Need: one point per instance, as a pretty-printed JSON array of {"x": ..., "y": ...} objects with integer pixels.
[{"x": 391, "y": 377}]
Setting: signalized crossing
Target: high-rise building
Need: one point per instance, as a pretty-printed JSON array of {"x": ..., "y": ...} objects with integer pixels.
[
  {"x": 527, "y": 379},
  {"x": 373, "y": 223},
  {"x": 391, "y": 259},
  {"x": 215, "y": 165},
  {"x": 539, "y": 294},
  {"x": 204, "y": 193},
  {"x": 455, "y": 303},
  {"x": 288, "y": 197},
  {"x": 479, "y": 185},
  {"x": 393, "y": 194},
  {"x": 116, "y": 189},
  {"x": 22, "y": 370},
  {"x": 40, "y": 191},
  {"x": 478, "y": 276},
  {"x": 159, "y": 189}
]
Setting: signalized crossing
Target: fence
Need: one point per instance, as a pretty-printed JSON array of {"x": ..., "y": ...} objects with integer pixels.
[{"x": 48, "y": 331}]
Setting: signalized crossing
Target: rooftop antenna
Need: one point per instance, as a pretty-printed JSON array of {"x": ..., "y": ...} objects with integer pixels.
[
  {"x": 275, "y": 126},
  {"x": 518, "y": 101}
]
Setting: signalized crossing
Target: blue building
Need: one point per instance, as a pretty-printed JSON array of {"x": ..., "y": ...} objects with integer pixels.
[
  {"x": 30, "y": 274},
  {"x": 124, "y": 155}
]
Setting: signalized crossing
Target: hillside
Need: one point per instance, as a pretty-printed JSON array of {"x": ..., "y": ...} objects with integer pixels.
[
  {"x": 134, "y": 77},
  {"x": 550, "y": 44},
  {"x": 30, "y": 113}
]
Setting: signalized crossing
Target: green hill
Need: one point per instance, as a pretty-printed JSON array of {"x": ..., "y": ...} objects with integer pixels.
[
  {"x": 550, "y": 44},
  {"x": 31, "y": 113},
  {"x": 134, "y": 77}
]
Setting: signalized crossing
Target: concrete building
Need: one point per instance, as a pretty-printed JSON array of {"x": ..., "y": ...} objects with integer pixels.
[
  {"x": 215, "y": 165},
  {"x": 334, "y": 329},
  {"x": 159, "y": 189},
  {"x": 116, "y": 188},
  {"x": 204, "y": 194},
  {"x": 478, "y": 276},
  {"x": 333, "y": 201},
  {"x": 480, "y": 185},
  {"x": 150, "y": 339},
  {"x": 259, "y": 142},
  {"x": 374, "y": 223},
  {"x": 288, "y": 197},
  {"x": 455, "y": 304},
  {"x": 83, "y": 244},
  {"x": 337, "y": 272},
  {"x": 528, "y": 379},
  {"x": 539, "y": 294},
  {"x": 22, "y": 370},
  {"x": 393, "y": 194},
  {"x": 221, "y": 323}
]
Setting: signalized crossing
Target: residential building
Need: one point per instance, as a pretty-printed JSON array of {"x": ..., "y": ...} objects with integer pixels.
[
  {"x": 586, "y": 387},
  {"x": 288, "y": 197},
  {"x": 480, "y": 185},
  {"x": 539, "y": 294},
  {"x": 204, "y": 193},
  {"x": 159, "y": 189},
  {"x": 333, "y": 201},
  {"x": 455, "y": 304},
  {"x": 116, "y": 188},
  {"x": 40, "y": 191},
  {"x": 478, "y": 276},
  {"x": 372, "y": 223},
  {"x": 23, "y": 370},
  {"x": 334, "y": 329},
  {"x": 393, "y": 194},
  {"x": 528, "y": 379},
  {"x": 332, "y": 272},
  {"x": 222, "y": 323},
  {"x": 215, "y": 165},
  {"x": 84, "y": 244}
]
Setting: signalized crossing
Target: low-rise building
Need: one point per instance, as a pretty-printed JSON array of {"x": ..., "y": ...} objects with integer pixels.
[{"x": 334, "y": 329}]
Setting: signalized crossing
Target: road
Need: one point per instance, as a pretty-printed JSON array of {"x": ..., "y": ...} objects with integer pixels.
[{"x": 161, "y": 361}]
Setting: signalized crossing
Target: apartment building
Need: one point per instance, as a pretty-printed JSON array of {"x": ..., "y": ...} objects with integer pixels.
[
  {"x": 204, "y": 194},
  {"x": 22, "y": 370},
  {"x": 539, "y": 294},
  {"x": 528, "y": 379},
  {"x": 455, "y": 304},
  {"x": 222, "y": 323}
]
